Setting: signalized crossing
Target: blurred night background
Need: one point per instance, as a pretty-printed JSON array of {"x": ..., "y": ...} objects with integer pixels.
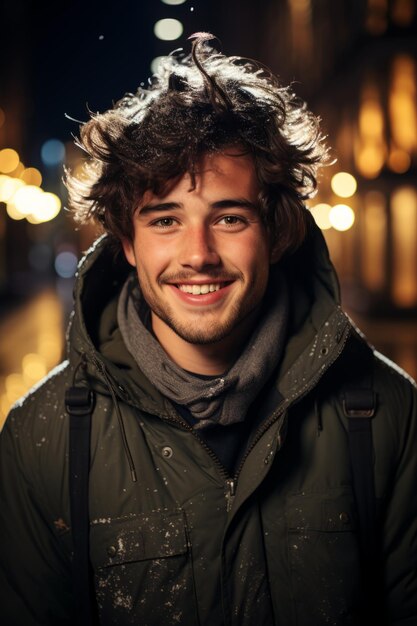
[{"x": 354, "y": 61}]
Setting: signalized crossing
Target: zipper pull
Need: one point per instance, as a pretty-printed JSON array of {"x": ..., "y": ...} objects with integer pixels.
[{"x": 230, "y": 493}]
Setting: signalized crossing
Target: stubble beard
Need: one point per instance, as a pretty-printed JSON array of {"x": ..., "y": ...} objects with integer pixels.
[{"x": 202, "y": 330}]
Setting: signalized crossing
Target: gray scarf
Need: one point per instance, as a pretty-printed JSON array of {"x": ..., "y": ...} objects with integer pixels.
[{"x": 219, "y": 400}]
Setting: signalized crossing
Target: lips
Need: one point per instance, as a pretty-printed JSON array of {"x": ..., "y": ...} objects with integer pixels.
[{"x": 201, "y": 294}]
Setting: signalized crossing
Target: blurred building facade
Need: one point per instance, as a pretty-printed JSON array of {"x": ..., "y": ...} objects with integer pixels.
[{"x": 355, "y": 62}]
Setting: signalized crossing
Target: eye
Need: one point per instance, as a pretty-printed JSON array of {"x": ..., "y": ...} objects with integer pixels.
[
  {"x": 164, "y": 222},
  {"x": 232, "y": 220}
]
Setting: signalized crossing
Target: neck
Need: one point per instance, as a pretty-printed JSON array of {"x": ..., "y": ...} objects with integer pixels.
[{"x": 207, "y": 359}]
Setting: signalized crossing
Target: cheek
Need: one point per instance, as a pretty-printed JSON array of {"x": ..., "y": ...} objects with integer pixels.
[
  {"x": 255, "y": 255},
  {"x": 152, "y": 258}
]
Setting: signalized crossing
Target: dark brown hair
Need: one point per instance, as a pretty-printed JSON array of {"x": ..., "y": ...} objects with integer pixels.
[{"x": 203, "y": 102}]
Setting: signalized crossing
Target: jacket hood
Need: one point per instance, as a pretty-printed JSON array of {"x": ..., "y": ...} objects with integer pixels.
[{"x": 95, "y": 341}]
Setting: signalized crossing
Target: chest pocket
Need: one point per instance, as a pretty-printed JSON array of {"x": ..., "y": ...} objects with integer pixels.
[
  {"x": 143, "y": 570},
  {"x": 323, "y": 557}
]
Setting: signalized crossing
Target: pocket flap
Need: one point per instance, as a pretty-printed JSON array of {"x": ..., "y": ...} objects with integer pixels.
[
  {"x": 321, "y": 512},
  {"x": 153, "y": 535}
]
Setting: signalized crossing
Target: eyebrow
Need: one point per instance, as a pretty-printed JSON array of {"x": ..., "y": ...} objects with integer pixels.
[{"x": 228, "y": 203}]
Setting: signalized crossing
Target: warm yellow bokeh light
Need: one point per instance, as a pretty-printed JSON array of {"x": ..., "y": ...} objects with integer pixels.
[
  {"x": 32, "y": 219},
  {"x": 31, "y": 176},
  {"x": 9, "y": 160},
  {"x": 27, "y": 199},
  {"x": 344, "y": 184},
  {"x": 49, "y": 347},
  {"x": 18, "y": 170},
  {"x": 370, "y": 160},
  {"x": 404, "y": 237},
  {"x": 399, "y": 161},
  {"x": 8, "y": 187},
  {"x": 4, "y": 408},
  {"x": 48, "y": 207},
  {"x": 33, "y": 368},
  {"x": 371, "y": 119},
  {"x": 15, "y": 387},
  {"x": 370, "y": 149},
  {"x": 342, "y": 217},
  {"x": 13, "y": 212},
  {"x": 320, "y": 212},
  {"x": 402, "y": 103}
]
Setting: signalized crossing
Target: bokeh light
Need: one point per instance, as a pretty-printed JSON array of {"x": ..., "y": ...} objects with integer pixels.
[
  {"x": 341, "y": 217},
  {"x": 168, "y": 29},
  {"x": 8, "y": 187},
  {"x": 53, "y": 152},
  {"x": 344, "y": 184},
  {"x": 18, "y": 170},
  {"x": 66, "y": 264},
  {"x": 399, "y": 161},
  {"x": 9, "y": 160},
  {"x": 33, "y": 368},
  {"x": 174, "y": 2},
  {"x": 15, "y": 387},
  {"x": 31, "y": 176},
  {"x": 27, "y": 199},
  {"x": 320, "y": 212},
  {"x": 47, "y": 208},
  {"x": 13, "y": 213},
  {"x": 49, "y": 346}
]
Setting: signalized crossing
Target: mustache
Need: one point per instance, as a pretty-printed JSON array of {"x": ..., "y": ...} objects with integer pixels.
[{"x": 184, "y": 277}]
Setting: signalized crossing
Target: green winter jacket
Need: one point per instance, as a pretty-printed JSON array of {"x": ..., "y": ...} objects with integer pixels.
[{"x": 275, "y": 545}]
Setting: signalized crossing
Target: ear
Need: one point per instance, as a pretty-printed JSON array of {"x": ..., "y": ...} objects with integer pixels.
[{"x": 129, "y": 251}]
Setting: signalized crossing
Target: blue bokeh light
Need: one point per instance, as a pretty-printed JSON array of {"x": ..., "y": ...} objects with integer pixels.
[
  {"x": 66, "y": 264},
  {"x": 53, "y": 152}
]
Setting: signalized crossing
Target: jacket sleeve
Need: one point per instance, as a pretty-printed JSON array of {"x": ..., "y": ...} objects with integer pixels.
[
  {"x": 396, "y": 463},
  {"x": 34, "y": 570}
]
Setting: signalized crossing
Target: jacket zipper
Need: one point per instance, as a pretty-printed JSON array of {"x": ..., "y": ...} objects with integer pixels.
[
  {"x": 230, "y": 493},
  {"x": 230, "y": 483}
]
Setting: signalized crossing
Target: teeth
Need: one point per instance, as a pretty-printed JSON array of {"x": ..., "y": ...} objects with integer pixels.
[{"x": 197, "y": 290}]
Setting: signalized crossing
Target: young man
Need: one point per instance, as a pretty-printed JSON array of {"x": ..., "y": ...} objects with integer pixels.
[{"x": 251, "y": 459}]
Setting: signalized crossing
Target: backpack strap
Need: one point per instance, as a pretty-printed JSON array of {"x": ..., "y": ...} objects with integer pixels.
[
  {"x": 359, "y": 404},
  {"x": 79, "y": 403}
]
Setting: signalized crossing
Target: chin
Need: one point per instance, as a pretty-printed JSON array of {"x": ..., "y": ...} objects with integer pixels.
[{"x": 201, "y": 336}]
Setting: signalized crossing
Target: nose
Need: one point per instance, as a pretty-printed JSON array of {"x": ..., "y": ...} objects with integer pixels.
[{"x": 198, "y": 249}]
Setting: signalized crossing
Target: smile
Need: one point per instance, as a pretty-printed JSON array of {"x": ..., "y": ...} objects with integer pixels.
[{"x": 198, "y": 290}]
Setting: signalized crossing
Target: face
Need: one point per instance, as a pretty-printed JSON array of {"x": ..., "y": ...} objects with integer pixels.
[{"x": 202, "y": 254}]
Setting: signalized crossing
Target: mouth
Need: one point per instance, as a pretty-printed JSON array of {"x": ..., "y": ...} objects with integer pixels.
[
  {"x": 209, "y": 294},
  {"x": 203, "y": 289}
]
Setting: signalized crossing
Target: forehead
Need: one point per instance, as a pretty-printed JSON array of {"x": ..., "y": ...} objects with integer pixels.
[{"x": 217, "y": 175}]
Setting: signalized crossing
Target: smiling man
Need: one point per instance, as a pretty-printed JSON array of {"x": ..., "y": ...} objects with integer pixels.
[
  {"x": 202, "y": 255},
  {"x": 222, "y": 447}
]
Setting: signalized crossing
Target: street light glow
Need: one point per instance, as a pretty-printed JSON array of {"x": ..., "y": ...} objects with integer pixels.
[{"x": 168, "y": 29}]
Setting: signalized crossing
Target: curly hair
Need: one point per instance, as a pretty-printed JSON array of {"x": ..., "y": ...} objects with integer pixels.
[{"x": 195, "y": 104}]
